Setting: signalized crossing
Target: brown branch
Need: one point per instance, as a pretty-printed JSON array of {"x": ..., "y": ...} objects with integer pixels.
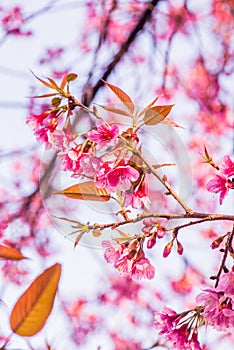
[
  {"x": 203, "y": 216},
  {"x": 222, "y": 265},
  {"x": 163, "y": 181},
  {"x": 89, "y": 94},
  {"x": 122, "y": 51}
]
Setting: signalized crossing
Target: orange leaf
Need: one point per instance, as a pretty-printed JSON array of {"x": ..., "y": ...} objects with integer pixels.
[
  {"x": 10, "y": 253},
  {"x": 86, "y": 191},
  {"x": 149, "y": 105},
  {"x": 122, "y": 96},
  {"x": 43, "y": 81},
  {"x": 157, "y": 166},
  {"x": 64, "y": 81},
  {"x": 46, "y": 95},
  {"x": 35, "y": 304},
  {"x": 156, "y": 114},
  {"x": 78, "y": 238},
  {"x": 53, "y": 83},
  {"x": 168, "y": 121},
  {"x": 116, "y": 110}
]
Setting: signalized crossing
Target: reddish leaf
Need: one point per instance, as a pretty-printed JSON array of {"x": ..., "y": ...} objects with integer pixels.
[
  {"x": 122, "y": 96},
  {"x": 156, "y": 166},
  {"x": 168, "y": 121},
  {"x": 10, "y": 253},
  {"x": 35, "y": 304},
  {"x": 116, "y": 110},
  {"x": 43, "y": 81},
  {"x": 86, "y": 191},
  {"x": 63, "y": 82},
  {"x": 149, "y": 105},
  {"x": 156, "y": 114},
  {"x": 54, "y": 84},
  {"x": 78, "y": 238}
]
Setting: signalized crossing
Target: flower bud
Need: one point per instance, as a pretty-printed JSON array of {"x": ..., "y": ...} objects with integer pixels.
[
  {"x": 151, "y": 242},
  {"x": 216, "y": 243},
  {"x": 167, "y": 249}
]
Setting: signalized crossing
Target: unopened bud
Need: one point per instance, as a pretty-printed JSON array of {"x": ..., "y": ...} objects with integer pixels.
[
  {"x": 151, "y": 242},
  {"x": 167, "y": 249},
  {"x": 180, "y": 248},
  {"x": 216, "y": 243}
]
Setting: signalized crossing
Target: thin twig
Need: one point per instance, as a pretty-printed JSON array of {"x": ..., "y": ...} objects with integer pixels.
[
  {"x": 203, "y": 216},
  {"x": 164, "y": 182},
  {"x": 222, "y": 265}
]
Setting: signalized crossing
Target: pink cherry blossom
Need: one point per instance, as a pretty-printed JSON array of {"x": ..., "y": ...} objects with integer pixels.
[
  {"x": 226, "y": 284},
  {"x": 13, "y": 21},
  {"x": 139, "y": 198},
  {"x": 42, "y": 135},
  {"x": 79, "y": 159},
  {"x": 152, "y": 225},
  {"x": 219, "y": 184},
  {"x": 227, "y": 166},
  {"x": 59, "y": 140},
  {"x": 104, "y": 136},
  {"x": 218, "y": 309},
  {"x": 43, "y": 124},
  {"x": 223, "y": 182},
  {"x": 112, "y": 251},
  {"x": 36, "y": 120},
  {"x": 128, "y": 261},
  {"x": 116, "y": 179},
  {"x": 169, "y": 324},
  {"x": 142, "y": 269}
]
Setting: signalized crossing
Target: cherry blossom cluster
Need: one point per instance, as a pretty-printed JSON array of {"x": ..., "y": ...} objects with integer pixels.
[
  {"x": 110, "y": 158},
  {"x": 12, "y": 21},
  {"x": 223, "y": 180},
  {"x": 215, "y": 308}
]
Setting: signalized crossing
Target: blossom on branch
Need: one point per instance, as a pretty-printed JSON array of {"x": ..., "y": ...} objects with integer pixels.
[
  {"x": 222, "y": 182},
  {"x": 177, "y": 328},
  {"x": 139, "y": 197},
  {"x": 80, "y": 160},
  {"x": 218, "y": 303},
  {"x": 128, "y": 260},
  {"x": 116, "y": 178},
  {"x": 105, "y": 136}
]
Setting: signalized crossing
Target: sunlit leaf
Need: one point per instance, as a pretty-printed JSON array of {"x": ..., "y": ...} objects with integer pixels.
[
  {"x": 149, "y": 106},
  {"x": 157, "y": 166},
  {"x": 64, "y": 81},
  {"x": 54, "y": 84},
  {"x": 35, "y": 304},
  {"x": 168, "y": 121},
  {"x": 45, "y": 95},
  {"x": 116, "y": 110},
  {"x": 122, "y": 96},
  {"x": 78, "y": 238},
  {"x": 43, "y": 81},
  {"x": 122, "y": 234},
  {"x": 10, "y": 253},
  {"x": 86, "y": 191},
  {"x": 157, "y": 114}
]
